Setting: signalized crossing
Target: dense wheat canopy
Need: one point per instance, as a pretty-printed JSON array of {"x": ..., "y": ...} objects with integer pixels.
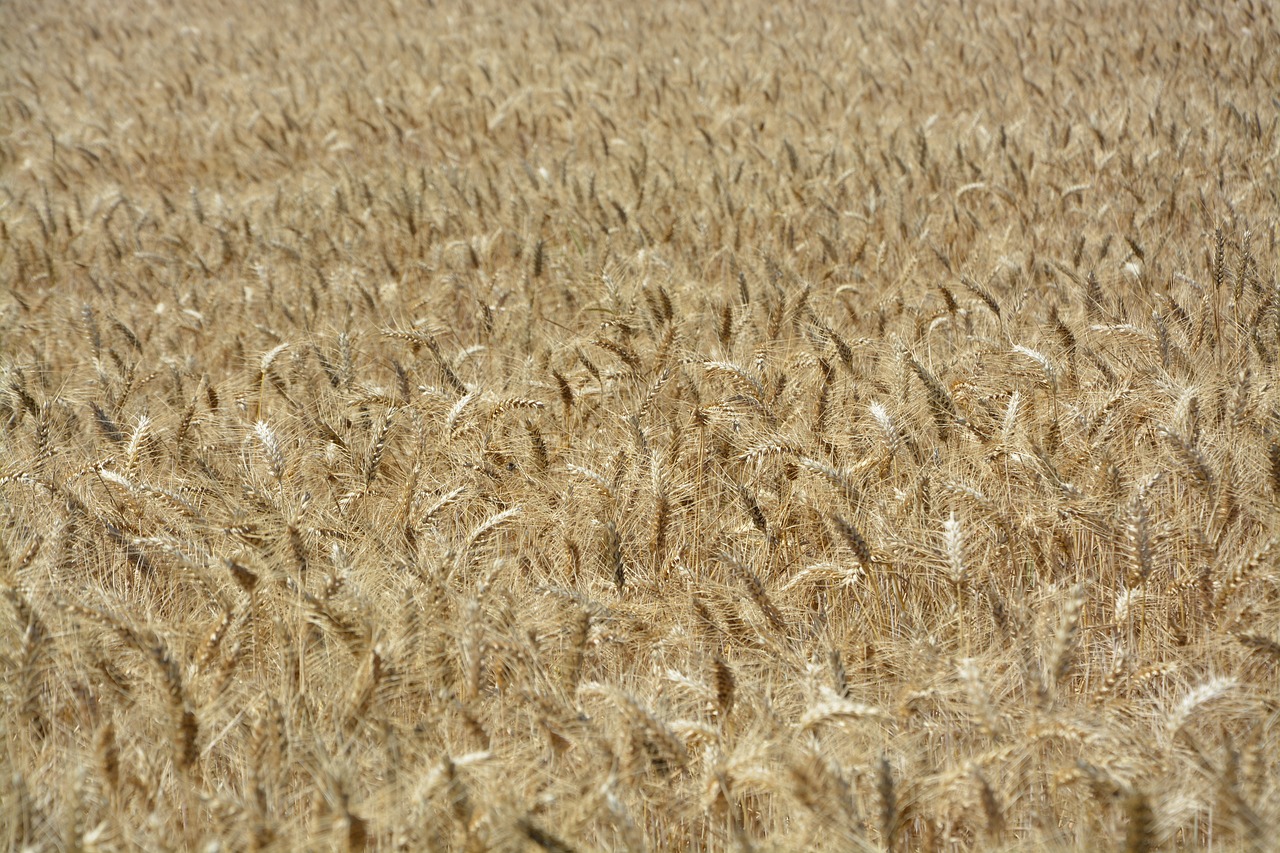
[{"x": 700, "y": 426}]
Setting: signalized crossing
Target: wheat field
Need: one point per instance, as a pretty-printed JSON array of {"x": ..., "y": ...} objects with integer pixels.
[{"x": 700, "y": 426}]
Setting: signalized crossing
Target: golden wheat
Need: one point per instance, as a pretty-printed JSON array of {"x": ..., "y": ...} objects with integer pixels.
[{"x": 488, "y": 426}]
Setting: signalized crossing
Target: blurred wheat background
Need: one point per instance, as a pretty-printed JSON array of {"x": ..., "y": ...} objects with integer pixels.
[{"x": 700, "y": 426}]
